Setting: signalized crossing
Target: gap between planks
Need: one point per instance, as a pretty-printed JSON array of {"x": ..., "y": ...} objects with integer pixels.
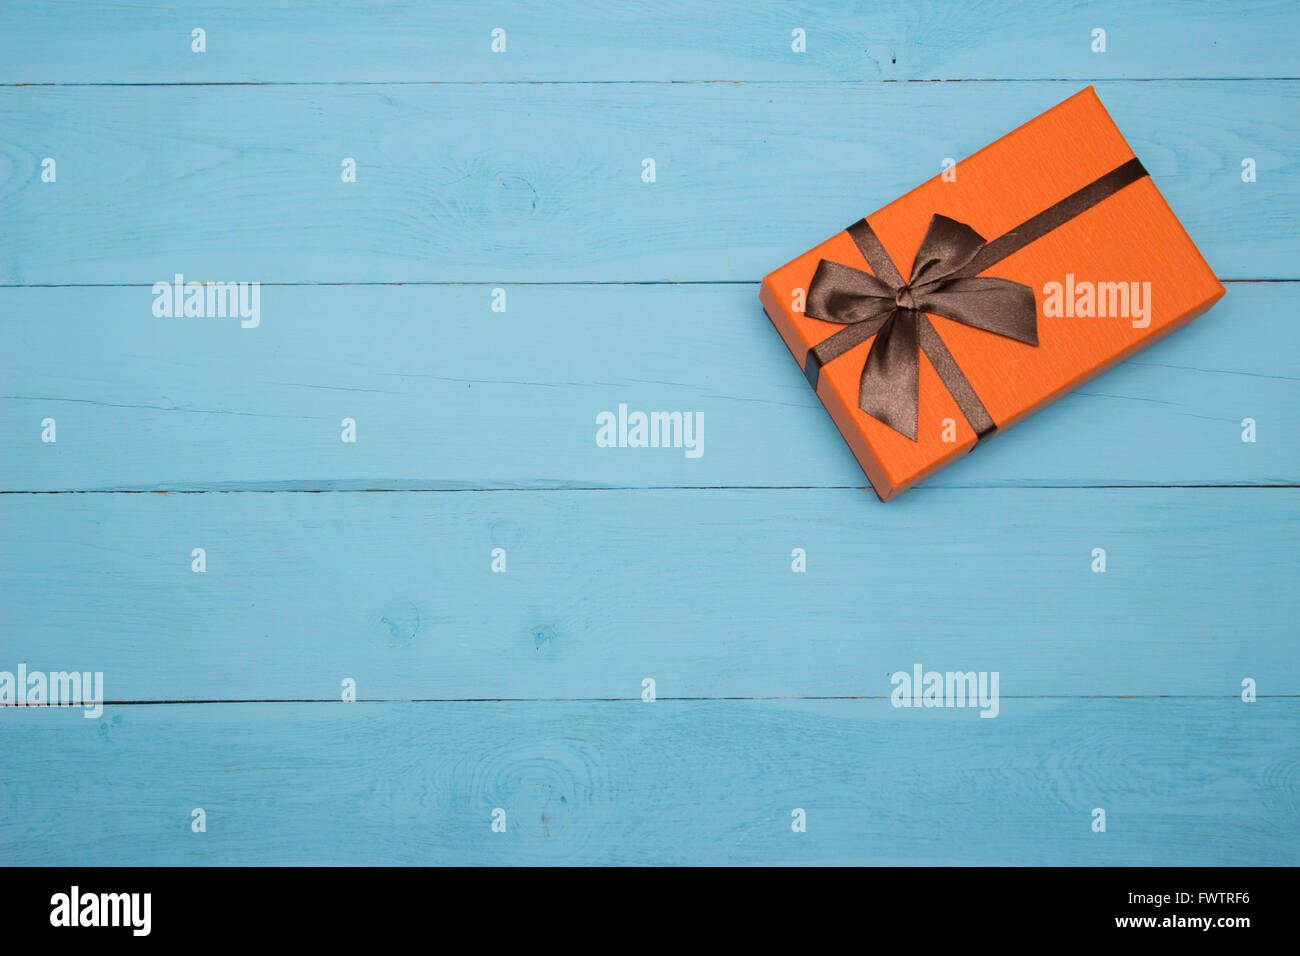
[
  {"x": 619, "y": 700},
  {"x": 684, "y": 82},
  {"x": 505, "y": 282},
  {"x": 435, "y": 491}
]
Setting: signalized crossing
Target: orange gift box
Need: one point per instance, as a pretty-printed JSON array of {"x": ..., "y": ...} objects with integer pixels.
[{"x": 988, "y": 292}]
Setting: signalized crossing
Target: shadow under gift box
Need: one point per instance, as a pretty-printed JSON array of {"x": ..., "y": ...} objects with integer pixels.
[{"x": 1130, "y": 236}]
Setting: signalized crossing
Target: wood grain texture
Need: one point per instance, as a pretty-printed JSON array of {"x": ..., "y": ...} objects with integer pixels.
[
  {"x": 1182, "y": 782},
  {"x": 449, "y": 394},
  {"x": 256, "y": 41},
  {"x": 691, "y": 588},
  {"x": 536, "y": 182}
]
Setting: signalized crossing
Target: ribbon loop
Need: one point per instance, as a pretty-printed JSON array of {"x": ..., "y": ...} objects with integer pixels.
[{"x": 948, "y": 245}]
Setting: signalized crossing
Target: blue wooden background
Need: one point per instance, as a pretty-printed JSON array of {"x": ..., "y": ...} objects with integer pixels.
[{"x": 521, "y": 170}]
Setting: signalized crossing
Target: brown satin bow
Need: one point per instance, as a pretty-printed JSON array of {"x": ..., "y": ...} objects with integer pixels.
[{"x": 944, "y": 282}]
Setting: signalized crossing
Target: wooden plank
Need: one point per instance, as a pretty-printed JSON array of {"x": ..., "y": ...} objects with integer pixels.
[
  {"x": 694, "y": 589},
  {"x": 531, "y": 182},
  {"x": 448, "y": 394},
  {"x": 1182, "y": 782},
  {"x": 255, "y": 41}
]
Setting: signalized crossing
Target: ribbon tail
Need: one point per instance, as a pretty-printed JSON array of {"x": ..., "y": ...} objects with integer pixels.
[
  {"x": 849, "y": 337},
  {"x": 888, "y": 388}
]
